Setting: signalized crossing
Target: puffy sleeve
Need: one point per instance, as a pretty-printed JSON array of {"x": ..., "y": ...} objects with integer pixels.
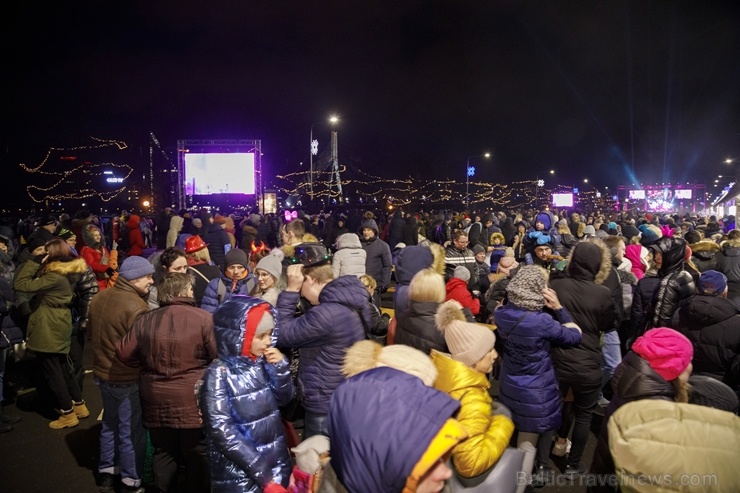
[
  {"x": 311, "y": 329},
  {"x": 488, "y": 436},
  {"x": 281, "y": 381},
  {"x": 210, "y": 298},
  {"x": 224, "y": 432}
]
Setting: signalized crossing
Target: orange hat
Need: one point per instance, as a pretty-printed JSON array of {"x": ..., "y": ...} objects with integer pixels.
[
  {"x": 219, "y": 219},
  {"x": 194, "y": 243}
]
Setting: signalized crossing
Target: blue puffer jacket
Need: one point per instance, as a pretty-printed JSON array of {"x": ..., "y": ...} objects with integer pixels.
[
  {"x": 323, "y": 335},
  {"x": 528, "y": 384},
  {"x": 381, "y": 422},
  {"x": 210, "y": 298},
  {"x": 239, "y": 400}
]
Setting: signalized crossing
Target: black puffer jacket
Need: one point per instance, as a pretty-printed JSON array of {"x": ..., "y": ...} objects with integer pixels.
[
  {"x": 676, "y": 284},
  {"x": 633, "y": 380},
  {"x": 415, "y": 327},
  {"x": 590, "y": 305},
  {"x": 712, "y": 324},
  {"x": 728, "y": 263}
]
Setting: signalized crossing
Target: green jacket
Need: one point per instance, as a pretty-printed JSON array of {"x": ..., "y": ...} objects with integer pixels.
[{"x": 50, "y": 324}]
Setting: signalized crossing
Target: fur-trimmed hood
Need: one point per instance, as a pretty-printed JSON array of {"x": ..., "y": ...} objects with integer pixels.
[
  {"x": 590, "y": 260},
  {"x": 76, "y": 266},
  {"x": 366, "y": 355},
  {"x": 704, "y": 249},
  {"x": 729, "y": 244}
]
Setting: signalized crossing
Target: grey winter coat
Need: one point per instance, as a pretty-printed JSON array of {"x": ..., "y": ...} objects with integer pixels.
[{"x": 350, "y": 257}]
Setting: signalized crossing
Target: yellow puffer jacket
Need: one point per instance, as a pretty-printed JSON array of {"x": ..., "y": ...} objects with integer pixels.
[{"x": 488, "y": 435}]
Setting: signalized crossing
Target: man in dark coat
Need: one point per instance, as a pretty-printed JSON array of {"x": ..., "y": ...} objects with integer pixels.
[
  {"x": 458, "y": 254},
  {"x": 216, "y": 239},
  {"x": 336, "y": 320},
  {"x": 395, "y": 232},
  {"x": 579, "y": 368},
  {"x": 378, "y": 262},
  {"x": 728, "y": 263},
  {"x": 712, "y": 323}
]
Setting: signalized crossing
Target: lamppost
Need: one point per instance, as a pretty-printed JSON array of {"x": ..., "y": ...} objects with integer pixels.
[
  {"x": 539, "y": 184},
  {"x": 468, "y": 173},
  {"x": 314, "y": 149}
]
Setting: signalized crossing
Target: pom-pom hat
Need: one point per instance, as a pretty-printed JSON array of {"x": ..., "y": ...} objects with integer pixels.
[{"x": 467, "y": 342}]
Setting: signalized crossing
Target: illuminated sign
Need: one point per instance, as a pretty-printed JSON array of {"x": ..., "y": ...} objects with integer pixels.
[{"x": 114, "y": 180}]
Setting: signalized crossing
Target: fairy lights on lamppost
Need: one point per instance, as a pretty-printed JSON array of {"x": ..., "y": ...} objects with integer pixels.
[
  {"x": 314, "y": 150},
  {"x": 540, "y": 184},
  {"x": 470, "y": 171}
]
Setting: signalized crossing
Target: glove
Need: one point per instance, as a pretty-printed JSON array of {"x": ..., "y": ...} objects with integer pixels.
[
  {"x": 273, "y": 488},
  {"x": 110, "y": 271},
  {"x": 39, "y": 259},
  {"x": 543, "y": 239},
  {"x": 386, "y": 317},
  {"x": 499, "y": 408},
  {"x": 535, "y": 234}
]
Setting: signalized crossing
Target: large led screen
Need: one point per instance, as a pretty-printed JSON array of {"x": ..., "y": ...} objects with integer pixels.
[
  {"x": 637, "y": 194},
  {"x": 215, "y": 173},
  {"x": 683, "y": 193},
  {"x": 562, "y": 199}
]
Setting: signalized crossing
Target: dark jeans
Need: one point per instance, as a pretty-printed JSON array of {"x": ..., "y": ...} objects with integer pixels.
[
  {"x": 180, "y": 447},
  {"x": 75, "y": 354},
  {"x": 585, "y": 396},
  {"x": 57, "y": 373}
]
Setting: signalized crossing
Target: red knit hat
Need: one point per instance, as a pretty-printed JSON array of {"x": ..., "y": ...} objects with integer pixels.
[{"x": 667, "y": 351}]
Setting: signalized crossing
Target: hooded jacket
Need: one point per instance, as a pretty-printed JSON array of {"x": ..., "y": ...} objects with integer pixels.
[
  {"x": 350, "y": 257},
  {"x": 50, "y": 324},
  {"x": 96, "y": 255},
  {"x": 676, "y": 284},
  {"x": 323, "y": 335},
  {"x": 135, "y": 238},
  {"x": 702, "y": 254},
  {"x": 712, "y": 324},
  {"x": 488, "y": 434},
  {"x": 682, "y": 444},
  {"x": 175, "y": 227},
  {"x": 405, "y": 416},
  {"x": 591, "y": 306},
  {"x": 728, "y": 263},
  {"x": 173, "y": 345},
  {"x": 240, "y": 399},
  {"x": 633, "y": 253},
  {"x": 529, "y": 387}
]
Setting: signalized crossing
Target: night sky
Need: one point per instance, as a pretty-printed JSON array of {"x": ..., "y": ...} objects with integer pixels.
[{"x": 592, "y": 89}]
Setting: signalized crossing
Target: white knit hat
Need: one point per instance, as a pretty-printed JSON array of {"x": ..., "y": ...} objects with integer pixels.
[
  {"x": 467, "y": 342},
  {"x": 461, "y": 272}
]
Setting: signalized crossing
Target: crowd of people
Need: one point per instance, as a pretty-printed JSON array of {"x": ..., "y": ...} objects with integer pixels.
[{"x": 381, "y": 339}]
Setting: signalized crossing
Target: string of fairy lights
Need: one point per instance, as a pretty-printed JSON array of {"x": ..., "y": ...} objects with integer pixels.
[
  {"x": 359, "y": 187},
  {"x": 400, "y": 192},
  {"x": 81, "y": 172}
]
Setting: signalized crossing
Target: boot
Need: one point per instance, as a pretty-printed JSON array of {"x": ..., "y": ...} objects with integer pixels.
[
  {"x": 4, "y": 427},
  {"x": 68, "y": 419},
  {"x": 4, "y": 418},
  {"x": 80, "y": 409}
]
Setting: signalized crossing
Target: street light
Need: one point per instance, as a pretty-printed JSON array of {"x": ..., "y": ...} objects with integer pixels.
[
  {"x": 539, "y": 184},
  {"x": 314, "y": 149},
  {"x": 468, "y": 173}
]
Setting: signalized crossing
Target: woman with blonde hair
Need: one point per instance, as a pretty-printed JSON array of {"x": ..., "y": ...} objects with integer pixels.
[
  {"x": 200, "y": 266},
  {"x": 415, "y": 325}
]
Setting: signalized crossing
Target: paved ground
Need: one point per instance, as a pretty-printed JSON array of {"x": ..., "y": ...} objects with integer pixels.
[{"x": 37, "y": 459}]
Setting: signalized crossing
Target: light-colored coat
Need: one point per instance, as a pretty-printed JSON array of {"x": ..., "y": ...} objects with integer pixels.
[{"x": 350, "y": 257}]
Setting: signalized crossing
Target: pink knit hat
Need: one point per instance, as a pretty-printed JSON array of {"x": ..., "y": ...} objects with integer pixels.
[{"x": 667, "y": 352}]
